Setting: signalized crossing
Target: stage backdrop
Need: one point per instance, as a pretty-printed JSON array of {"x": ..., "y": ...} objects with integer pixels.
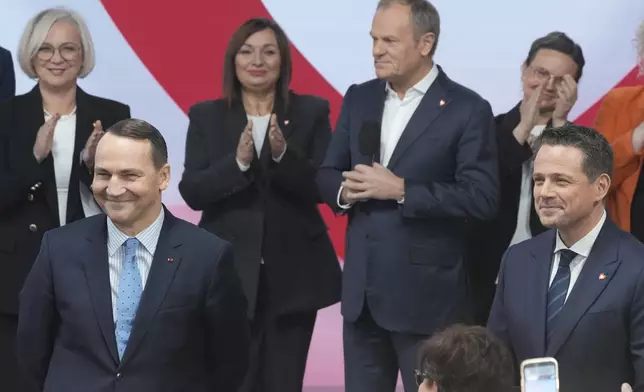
[{"x": 160, "y": 57}]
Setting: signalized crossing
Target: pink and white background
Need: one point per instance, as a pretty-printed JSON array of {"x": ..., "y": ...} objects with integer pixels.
[{"x": 160, "y": 57}]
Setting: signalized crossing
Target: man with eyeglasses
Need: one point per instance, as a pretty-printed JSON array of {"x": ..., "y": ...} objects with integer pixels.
[{"x": 549, "y": 78}]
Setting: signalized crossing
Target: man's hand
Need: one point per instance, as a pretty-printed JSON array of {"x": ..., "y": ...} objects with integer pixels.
[
  {"x": 377, "y": 182},
  {"x": 566, "y": 99},
  {"x": 529, "y": 110}
]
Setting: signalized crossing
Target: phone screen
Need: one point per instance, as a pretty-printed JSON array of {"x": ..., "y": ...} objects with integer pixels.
[{"x": 540, "y": 377}]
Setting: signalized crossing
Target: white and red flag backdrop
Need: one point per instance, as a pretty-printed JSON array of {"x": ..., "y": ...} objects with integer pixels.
[{"x": 160, "y": 57}]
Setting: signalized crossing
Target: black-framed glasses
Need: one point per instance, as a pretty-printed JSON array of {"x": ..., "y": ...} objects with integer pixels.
[
  {"x": 420, "y": 377},
  {"x": 68, "y": 51}
]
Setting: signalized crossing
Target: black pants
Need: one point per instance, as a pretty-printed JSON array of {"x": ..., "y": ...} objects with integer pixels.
[
  {"x": 279, "y": 347},
  {"x": 11, "y": 377},
  {"x": 373, "y": 356}
]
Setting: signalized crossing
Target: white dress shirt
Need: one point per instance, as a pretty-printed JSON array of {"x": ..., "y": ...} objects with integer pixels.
[
  {"x": 396, "y": 115},
  {"x": 522, "y": 231},
  {"x": 582, "y": 247},
  {"x": 148, "y": 240},
  {"x": 63, "y": 152}
]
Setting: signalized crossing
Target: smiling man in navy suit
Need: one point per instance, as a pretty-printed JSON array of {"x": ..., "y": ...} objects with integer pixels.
[
  {"x": 412, "y": 158},
  {"x": 135, "y": 300},
  {"x": 575, "y": 292}
]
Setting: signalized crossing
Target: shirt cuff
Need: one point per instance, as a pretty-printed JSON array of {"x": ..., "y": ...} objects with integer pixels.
[
  {"x": 279, "y": 158},
  {"x": 242, "y": 167},
  {"x": 343, "y": 206}
]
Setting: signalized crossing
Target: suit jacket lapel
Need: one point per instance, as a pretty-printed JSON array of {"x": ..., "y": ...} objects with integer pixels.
[
  {"x": 538, "y": 284},
  {"x": 165, "y": 262},
  {"x": 431, "y": 105},
  {"x": 97, "y": 273},
  {"x": 602, "y": 260},
  {"x": 84, "y": 128}
]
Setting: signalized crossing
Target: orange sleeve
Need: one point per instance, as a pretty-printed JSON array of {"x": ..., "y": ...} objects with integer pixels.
[{"x": 625, "y": 158}]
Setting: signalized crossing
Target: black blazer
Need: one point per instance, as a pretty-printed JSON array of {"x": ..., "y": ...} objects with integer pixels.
[
  {"x": 408, "y": 259},
  {"x": 28, "y": 198},
  {"x": 190, "y": 332},
  {"x": 599, "y": 338},
  {"x": 7, "y": 75},
  {"x": 270, "y": 211},
  {"x": 488, "y": 240}
]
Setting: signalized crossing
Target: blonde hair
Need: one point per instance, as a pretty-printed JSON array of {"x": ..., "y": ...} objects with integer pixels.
[
  {"x": 37, "y": 30},
  {"x": 639, "y": 39}
]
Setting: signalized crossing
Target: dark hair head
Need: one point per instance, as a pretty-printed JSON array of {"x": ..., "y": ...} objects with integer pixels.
[
  {"x": 467, "y": 359},
  {"x": 424, "y": 16},
  {"x": 141, "y": 130},
  {"x": 598, "y": 154},
  {"x": 231, "y": 84},
  {"x": 559, "y": 42}
]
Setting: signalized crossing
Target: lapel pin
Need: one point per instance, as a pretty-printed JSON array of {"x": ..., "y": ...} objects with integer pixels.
[
  {"x": 602, "y": 276},
  {"x": 170, "y": 259},
  {"x": 286, "y": 122},
  {"x": 442, "y": 102}
]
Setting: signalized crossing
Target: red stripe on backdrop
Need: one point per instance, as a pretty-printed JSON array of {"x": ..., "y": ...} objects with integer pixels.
[{"x": 183, "y": 48}]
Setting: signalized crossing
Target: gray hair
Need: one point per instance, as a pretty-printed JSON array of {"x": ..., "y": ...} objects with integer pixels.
[
  {"x": 37, "y": 30},
  {"x": 639, "y": 40},
  {"x": 424, "y": 15},
  {"x": 598, "y": 154}
]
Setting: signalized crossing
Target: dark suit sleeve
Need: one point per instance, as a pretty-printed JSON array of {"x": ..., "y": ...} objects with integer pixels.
[
  {"x": 7, "y": 77},
  {"x": 120, "y": 112},
  {"x": 337, "y": 159},
  {"x": 512, "y": 155},
  {"x": 497, "y": 322},
  {"x": 228, "y": 338},
  {"x": 637, "y": 334},
  {"x": 19, "y": 169},
  {"x": 38, "y": 319},
  {"x": 476, "y": 190},
  {"x": 296, "y": 172},
  {"x": 206, "y": 181}
]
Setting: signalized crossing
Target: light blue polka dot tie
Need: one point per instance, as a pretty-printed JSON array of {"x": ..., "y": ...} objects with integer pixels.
[{"x": 130, "y": 289}]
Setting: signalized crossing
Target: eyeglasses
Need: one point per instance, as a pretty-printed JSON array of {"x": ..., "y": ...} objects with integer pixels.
[
  {"x": 543, "y": 75},
  {"x": 420, "y": 377},
  {"x": 68, "y": 51}
]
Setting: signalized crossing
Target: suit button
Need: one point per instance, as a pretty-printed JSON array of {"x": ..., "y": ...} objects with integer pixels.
[
  {"x": 33, "y": 227},
  {"x": 30, "y": 197},
  {"x": 119, "y": 376}
]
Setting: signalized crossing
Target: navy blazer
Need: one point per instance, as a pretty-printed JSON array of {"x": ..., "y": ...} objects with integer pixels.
[
  {"x": 407, "y": 259},
  {"x": 599, "y": 340},
  {"x": 7, "y": 75},
  {"x": 190, "y": 332}
]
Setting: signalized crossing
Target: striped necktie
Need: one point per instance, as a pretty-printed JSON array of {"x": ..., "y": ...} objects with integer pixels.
[{"x": 558, "y": 290}]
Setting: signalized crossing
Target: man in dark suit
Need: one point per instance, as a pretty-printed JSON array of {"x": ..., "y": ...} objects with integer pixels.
[
  {"x": 137, "y": 300},
  {"x": 575, "y": 292},
  {"x": 549, "y": 77},
  {"x": 434, "y": 167},
  {"x": 7, "y": 75}
]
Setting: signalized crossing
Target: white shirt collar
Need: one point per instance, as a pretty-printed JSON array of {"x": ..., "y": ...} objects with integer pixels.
[
  {"x": 149, "y": 237},
  {"x": 585, "y": 244},
  {"x": 422, "y": 86}
]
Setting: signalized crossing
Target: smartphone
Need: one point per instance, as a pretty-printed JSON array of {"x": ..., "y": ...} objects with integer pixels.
[{"x": 540, "y": 375}]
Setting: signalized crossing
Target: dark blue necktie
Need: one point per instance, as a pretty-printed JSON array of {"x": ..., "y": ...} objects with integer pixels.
[{"x": 558, "y": 290}]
